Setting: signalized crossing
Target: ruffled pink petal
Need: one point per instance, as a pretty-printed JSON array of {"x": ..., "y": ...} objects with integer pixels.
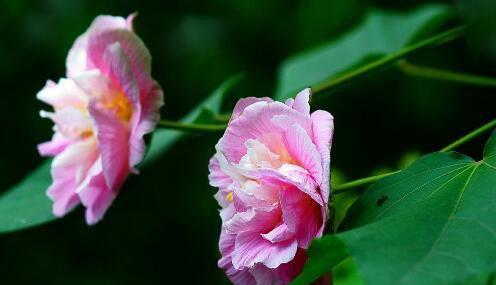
[
  {"x": 279, "y": 233},
  {"x": 72, "y": 123},
  {"x": 253, "y": 194},
  {"x": 300, "y": 146},
  {"x": 302, "y": 215},
  {"x": 227, "y": 213},
  {"x": 150, "y": 116},
  {"x": 285, "y": 180},
  {"x": 217, "y": 177},
  {"x": 63, "y": 94},
  {"x": 281, "y": 275},
  {"x": 251, "y": 248},
  {"x": 132, "y": 47},
  {"x": 115, "y": 64},
  {"x": 69, "y": 169},
  {"x": 323, "y": 129},
  {"x": 113, "y": 143},
  {"x": 238, "y": 277},
  {"x": 95, "y": 85},
  {"x": 96, "y": 195},
  {"x": 264, "y": 275},
  {"x": 254, "y": 220},
  {"x": 255, "y": 122},
  {"x": 57, "y": 145},
  {"x": 245, "y": 102},
  {"x": 77, "y": 60},
  {"x": 301, "y": 101}
]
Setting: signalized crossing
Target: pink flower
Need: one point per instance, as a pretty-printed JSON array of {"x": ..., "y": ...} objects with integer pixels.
[
  {"x": 272, "y": 170},
  {"x": 102, "y": 110}
]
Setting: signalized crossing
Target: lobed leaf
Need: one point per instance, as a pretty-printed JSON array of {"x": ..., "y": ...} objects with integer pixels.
[{"x": 433, "y": 223}]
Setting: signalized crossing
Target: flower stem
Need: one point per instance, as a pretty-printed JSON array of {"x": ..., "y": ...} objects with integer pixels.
[
  {"x": 445, "y": 75},
  {"x": 360, "y": 182},
  {"x": 470, "y": 136},
  {"x": 371, "y": 179},
  {"x": 193, "y": 128},
  {"x": 336, "y": 82}
]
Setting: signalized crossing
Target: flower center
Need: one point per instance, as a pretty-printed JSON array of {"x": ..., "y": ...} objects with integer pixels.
[{"x": 121, "y": 106}]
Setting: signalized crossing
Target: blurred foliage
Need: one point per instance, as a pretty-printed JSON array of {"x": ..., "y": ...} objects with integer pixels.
[{"x": 165, "y": 225}]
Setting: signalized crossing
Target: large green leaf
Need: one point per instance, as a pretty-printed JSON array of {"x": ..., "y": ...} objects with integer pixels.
[
  {"x": 381, "y": 33},
  {"x": 26, "y": 204},
  {"x": 433, "y": 223}
]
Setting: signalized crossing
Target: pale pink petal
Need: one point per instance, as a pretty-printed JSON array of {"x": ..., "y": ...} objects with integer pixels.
[
  {"x": 255, "y": 122},
  {"x": 323, "y": 129},
  {"x": 258, "y": 156},
  {"x": 238, "y": 277},
  {"x": 301, "y": 101},
  {"x": 217, "y": 177},
  {"x": 227, "y": 213},
  {"x": 63, "y": 94},
  {"x": 69, "y": 169},
  {"x": 57, "y": 145},
  {"x": 302, "y": 215},
  {"x": 132, "y": 47},
  {"x": 105, "y": 23},
  {"x": 264, "y": 275},
  {"x": 254, "y": 220},
  {"x": 279, "y": 233},
  {"x": 72, "y": 123},
  {"x": 77, "y": 60},
  {"x": 96, "y": 85},
  {"x": 245, "y": 102},
  {"x": 96, "y": 195},
  {"x": 253, "y": 194},
  {"x": 113, "y": 143},
  {"x": 240, "y": 220},
  {"x": 62, "y": 195},
  {"x": 115, "y": 64},
  {"x": 151, "y": 103},
  {"x": 283, "y": 181},
  {"x": 227, "y": 167},
  {"x": 300, "y": 146},
  {"x": 251, "y": 248}
]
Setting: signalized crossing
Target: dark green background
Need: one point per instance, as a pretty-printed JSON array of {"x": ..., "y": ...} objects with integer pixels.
[{"x": 164, "y": 226}]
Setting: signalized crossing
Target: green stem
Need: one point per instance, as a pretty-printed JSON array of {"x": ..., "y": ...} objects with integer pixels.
[
  {"x": 376, "y": 65},
  {"x": 360, "y": 182},
  {"x": 371, "y": 179},
  {"x": 470, "y": 136},
  {"x": 445, "y": 75},
  {"x": 194, "y": 128}
]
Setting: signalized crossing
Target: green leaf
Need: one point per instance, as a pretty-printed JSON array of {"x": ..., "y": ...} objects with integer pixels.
[
  {"x": 346, "y": 273},
  {"x": 26, "y": 204},
  {"x": 382, "y": 33},
  {"x": 433, "y": 223},
  {"x": 324, "y": 254}
]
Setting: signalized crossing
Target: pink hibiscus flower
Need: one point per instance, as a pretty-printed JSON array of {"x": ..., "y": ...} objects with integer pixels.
[
  {"x": 102, "y": 110},
  {"x": 272, "y": 170}
]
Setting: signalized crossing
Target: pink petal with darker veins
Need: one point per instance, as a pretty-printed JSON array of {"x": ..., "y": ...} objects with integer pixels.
[
  {"x": 96, "y": 196},
  {"x": 113, "y": 143}
]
